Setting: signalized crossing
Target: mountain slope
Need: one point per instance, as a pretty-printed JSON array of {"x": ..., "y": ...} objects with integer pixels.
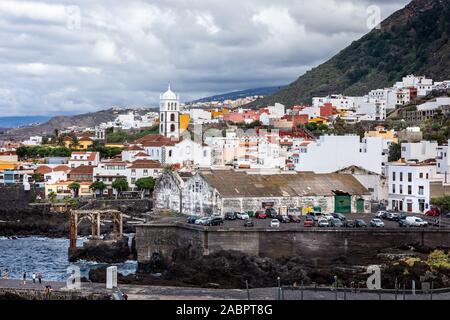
[
  {"x": 414, "y": 39},
  {"x": 241, "y": 94},
  {"x": 61, "y": 122}
]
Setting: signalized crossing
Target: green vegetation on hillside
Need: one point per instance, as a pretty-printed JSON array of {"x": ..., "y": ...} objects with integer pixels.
[
  {"x": 122, "y": 136},
  {"x": 412, "y": 40}
]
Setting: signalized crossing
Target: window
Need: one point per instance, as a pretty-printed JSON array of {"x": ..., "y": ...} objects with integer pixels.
[
  {"x": 409, "y": 189},
  {"x": 421, "y": 175},
  {"x": 162, "y": 117},
  {"x": 133, "y": 180},
  {"x": 172, "y": 117},
  {"x": 401, "y": 176},
  {"x": 409, "y": 177},
  {"x": 170, "y": 153},
  {"x": 145, "y": 172},
  {"x": 421, "y": 190},
  {"x": 393, "y": 188},
  {"x": 401, "y": 189},
  {"x": 426, "y": 176},
  {"x": 172, "y": 128},
  {"x": 393, "y": 176},
  {"x": 162, "y": 128},
  {"x": 133, "y": 172}
]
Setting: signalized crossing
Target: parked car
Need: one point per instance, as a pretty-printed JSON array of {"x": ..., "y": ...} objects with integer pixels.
[
  {"x": 274, "y": 223},
  {"x": 242, "y": 215},
  {"x": 230, "y": 216},
  {"x": 202, "y": 221},
  {"x": 294, "y": 219},
  {"x": 402, "y": 223},
  {"x": 282, "y": 218},
  {"x": 271, "y": 213},
  {"x": 323, "y": 223},
  {"x": 415, "y": 222},
  {"x": 316, "y": 216},
  {"x": 377, "y": 223},
  {"x": 360, "y": 223},
  {"x": 392, "y": 216},
  {"x": 309, "y": 222},
  {"x": 447, "y": 215},
  {"x": 260, "y": 215},
  {"x": 191, "y": 220},
  {"x": 349, "y": 224},
  {"x": 339, "y": 216},
  {"x": 433, "y": 212},
  {"x": 248, "y": 223},
  {"x": 327, "y": 216},
  {"x": 381, "y": 214},
  {"x": 336, "y": 223},
  {"x": 215, "y": 221}
]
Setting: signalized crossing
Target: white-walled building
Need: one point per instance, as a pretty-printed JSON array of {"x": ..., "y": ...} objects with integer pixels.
[
  {"x": 332, "y": 153},
  {"x": 84, "y": 158},
  {"x": 443, "y": 160},
  {"x": 409, "y": 186},
  {"x": 33, "y": 141},
  {"x": 339, "y": 101},
  {"x": 169, "y": 114},
  {"x": 434, "y": 104},
  {"x": 419, "y": 151}
]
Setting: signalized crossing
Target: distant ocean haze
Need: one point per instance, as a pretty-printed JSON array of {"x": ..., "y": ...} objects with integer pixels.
[{"x": 14, "y": 122}]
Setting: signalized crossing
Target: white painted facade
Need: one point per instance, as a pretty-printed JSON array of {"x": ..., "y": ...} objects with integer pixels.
[
  {"x": 169, "y": 114},
  {"x": 409, "y": 186},
  {"x": 84, "y": 158},
  {"x": 419, "y": 151},
  {"x": 332, "y": 153}
]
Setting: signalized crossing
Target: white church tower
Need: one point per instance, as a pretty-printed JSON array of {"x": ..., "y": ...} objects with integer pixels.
[{"x": 169, "y": 114}]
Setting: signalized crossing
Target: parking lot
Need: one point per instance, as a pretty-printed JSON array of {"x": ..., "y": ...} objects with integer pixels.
[{"x": 265, "y": 223}]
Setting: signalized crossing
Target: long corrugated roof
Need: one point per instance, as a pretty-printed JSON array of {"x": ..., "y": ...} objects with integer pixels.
[{"x": 242, "y": 184}]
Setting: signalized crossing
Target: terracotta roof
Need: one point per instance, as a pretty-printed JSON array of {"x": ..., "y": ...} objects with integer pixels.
[
  {"x": 135, "y": 148},
  {"x": 8, "y": 153},
  {"x": 43, "y": 170},
  {"x": 155, "y": 140},
  {"x": 144, "y": 164},
  {"x": 61, "y": 168},
  {"x": 91, "y": 156},
  {"x": 141, "y": 154},
  {"x": 85, "y": 139},
  {"x": 82, "y": 170},
  {"x": 241, "y": 184}
]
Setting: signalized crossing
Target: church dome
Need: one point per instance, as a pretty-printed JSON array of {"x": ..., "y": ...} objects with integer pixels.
[{"x": 169, "y": 95}]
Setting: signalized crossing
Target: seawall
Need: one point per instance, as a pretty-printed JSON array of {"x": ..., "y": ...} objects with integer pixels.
[{"x": 315, "y": 245}]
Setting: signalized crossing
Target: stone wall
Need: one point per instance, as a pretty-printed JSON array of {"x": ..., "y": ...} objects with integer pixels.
[
  {"x": 14, "y": 197},
  {"x": 128, "y": 206},
  {"x": 34, "y": 294},
  {"x": 313, "y": 245}
]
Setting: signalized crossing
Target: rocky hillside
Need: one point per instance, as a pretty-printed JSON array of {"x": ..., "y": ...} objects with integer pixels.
[
  {"x": 60, "y": 122},
  {"x": 414, "y": 39}
]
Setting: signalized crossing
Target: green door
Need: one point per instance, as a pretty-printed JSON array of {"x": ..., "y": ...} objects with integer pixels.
[
  {"x": 360, "y": 205},
  {"x": 342, "y": 204}
]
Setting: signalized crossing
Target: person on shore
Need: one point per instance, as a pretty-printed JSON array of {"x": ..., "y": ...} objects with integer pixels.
[
  {"x": 34, "y": 277},
  {"x": 24, "y": 277},
  {"x": 39, "y": 277}
]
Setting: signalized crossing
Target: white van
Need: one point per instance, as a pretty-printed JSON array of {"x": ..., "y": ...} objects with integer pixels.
[{"x": 415, "y": 222}]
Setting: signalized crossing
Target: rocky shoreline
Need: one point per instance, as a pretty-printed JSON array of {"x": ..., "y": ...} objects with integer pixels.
[{"x": 231, "y": 270}]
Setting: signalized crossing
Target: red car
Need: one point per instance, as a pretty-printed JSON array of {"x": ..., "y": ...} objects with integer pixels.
[
  {"x": 433, "y": 212},
  {"x": 260, "y": 215},
  {"x": 309, "y": 222}
]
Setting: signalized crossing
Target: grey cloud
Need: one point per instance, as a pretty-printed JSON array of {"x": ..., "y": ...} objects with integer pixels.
[{"x": 124, "y": 53}]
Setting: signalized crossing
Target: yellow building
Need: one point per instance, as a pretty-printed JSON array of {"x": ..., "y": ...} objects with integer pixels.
[
  {"x": 385, "y": 134},
  {"x": 61, "y": 188},
  {"x": 184, "y": 122},
  {"x": 318, "y": 120},
  {"x": 83, "y": 143},
  {"x": 218, "y": 113},
  {"x": 8, "y": 165},
  {"x": 115, "y": 145}
]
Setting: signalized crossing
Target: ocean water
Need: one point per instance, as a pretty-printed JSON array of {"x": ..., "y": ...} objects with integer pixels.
[
  {"x": 14, "y": 122},
  {"x": 48, "y": 256}
]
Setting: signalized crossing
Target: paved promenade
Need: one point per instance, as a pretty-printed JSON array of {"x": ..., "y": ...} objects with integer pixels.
[{"x": 137, "y": 292}]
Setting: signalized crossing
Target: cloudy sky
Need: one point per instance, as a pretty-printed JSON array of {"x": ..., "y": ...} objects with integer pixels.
[{"x": 66, "y": 57}]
